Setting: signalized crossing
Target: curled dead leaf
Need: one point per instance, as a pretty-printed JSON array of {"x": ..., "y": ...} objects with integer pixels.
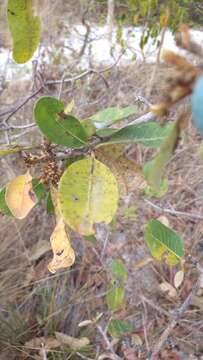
[
  {"x": 20, "y": 197},
  {"x": 64, "y": 255}
]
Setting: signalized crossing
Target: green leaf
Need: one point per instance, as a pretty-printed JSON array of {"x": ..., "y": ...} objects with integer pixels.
[
  {"x": 119, "y": 328},
  {"x": 111, "y": 115},
  {"x": 161, "y": 241},
  {"x": 58, "y": 127},
  {"x": 130, "y": 212},
  {"x": 118, "y": 269},
  {"x": 157, "y": 166},
  {"x": 88, "y": 194},
  {"x": 25, "y": 29},
  {"x": 115, "y": 296},
  {"x": 149, "y": 134},
  {"x": 91, "y": 238},
  {"x": 39, "y": 189},
  {"x": 107, "y": 117},
  {"x": 3, "y": 206},
  {"x": 106, "y": 132},
  {"x": 151, "y": 192},
  {"x": 50, "y": 206}
]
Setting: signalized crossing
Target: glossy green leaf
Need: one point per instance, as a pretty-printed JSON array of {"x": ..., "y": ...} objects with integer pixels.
[
  {"x": 58, "y": 127},
  {"x": 149, "y": 134},
  {"x": 107, "y": 117},
  {"x": 163, "y": 241},
  {"x": 25, "y": 29},
  {"x": 88, "y": 194},
  {"x": 39, "y": 189},
  {"x": 118, "y": 328},
  {"x": 3, "y": 206},
  {"x": 118, "y": 270},
  {"x": 115, "y": 296}
]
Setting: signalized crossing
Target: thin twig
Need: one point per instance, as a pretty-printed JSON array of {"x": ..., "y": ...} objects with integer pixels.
[
  {"x": 108, "y": 343},
  {"x": 19, "y": 127},
  {"x": 173, "y": 211},
  {"x": 13, "y": 111},
  {"x": 22, "y": 104},
  {"x": 154, "y": 306}
]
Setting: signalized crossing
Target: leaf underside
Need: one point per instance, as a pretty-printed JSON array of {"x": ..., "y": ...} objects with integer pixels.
[{"x": 25, "y": 29}]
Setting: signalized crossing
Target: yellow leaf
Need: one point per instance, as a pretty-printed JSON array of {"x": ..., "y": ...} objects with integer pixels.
[
  {"x": 88, "y": 194},
  {"x": 20, "y": 197},
  {"x": 69, "y": 107},
  {"x": 64, "y": 255}
]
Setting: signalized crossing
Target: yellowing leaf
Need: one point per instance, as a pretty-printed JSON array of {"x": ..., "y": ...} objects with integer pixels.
[
  {"x": 64, "y": 255},
  {"x": 25, "y": 29},
  {"x": 20, "y": 197},
  {"x": 69, "y": 107},
  {"x": 163, "y": 242},
  {"x": 88, "y": 194}
]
